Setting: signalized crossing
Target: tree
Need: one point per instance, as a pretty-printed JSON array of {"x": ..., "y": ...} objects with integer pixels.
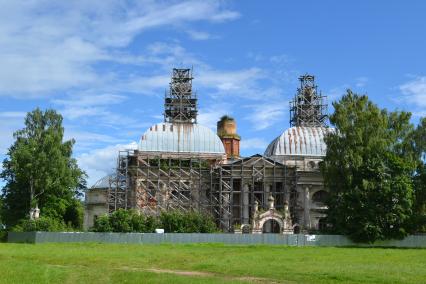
[
  {"x": 368, "y": 170},
  {"x": 39, "y": 170},
  {"x": 419, "y": 141}
]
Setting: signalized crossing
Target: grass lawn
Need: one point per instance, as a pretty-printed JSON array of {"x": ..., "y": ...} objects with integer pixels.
[{"x": 207, "y": 263}]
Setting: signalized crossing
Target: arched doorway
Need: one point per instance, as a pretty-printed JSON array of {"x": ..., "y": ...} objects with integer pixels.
[
  {"x": 296, "y": 229},
  {"x": 271, "y": 226}
]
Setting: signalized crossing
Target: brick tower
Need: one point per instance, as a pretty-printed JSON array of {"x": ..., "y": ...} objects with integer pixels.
[{"x": 227, "y": 132}]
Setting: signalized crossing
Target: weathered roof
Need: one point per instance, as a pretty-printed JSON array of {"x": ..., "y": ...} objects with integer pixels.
[
  {"x": 181, "y": 138},
  {"x": 299, "y": 141},
  {"x": 103, "y": 183}
]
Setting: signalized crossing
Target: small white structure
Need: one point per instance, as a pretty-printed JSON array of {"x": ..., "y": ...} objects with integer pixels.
[{"x": 35, "y": 213}]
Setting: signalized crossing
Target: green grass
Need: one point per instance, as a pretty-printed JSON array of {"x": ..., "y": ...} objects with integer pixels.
[{"x": 210, "y": 263}]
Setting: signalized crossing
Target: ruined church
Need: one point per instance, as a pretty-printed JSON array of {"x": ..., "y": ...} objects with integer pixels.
[{"x": 182, "y": 165}]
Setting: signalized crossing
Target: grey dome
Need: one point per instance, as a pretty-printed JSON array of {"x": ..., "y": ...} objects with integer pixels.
[
  {"x": 299, "y": 141},
  {"x": 181, "y": 138}
]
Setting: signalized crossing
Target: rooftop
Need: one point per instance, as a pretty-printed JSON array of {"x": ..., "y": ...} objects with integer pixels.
[
  {"x": 299, "y": 141},
  {"x": 182, "y": 138}
]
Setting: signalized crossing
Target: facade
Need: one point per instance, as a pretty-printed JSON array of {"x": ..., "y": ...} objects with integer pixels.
[
  {"x": 181, "y": 165},
  {"x": 302, "y": 146}
]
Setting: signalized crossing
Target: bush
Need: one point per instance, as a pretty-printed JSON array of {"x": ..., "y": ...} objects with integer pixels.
[
  {"x": 187, "y": 222},
  {"x": 46, "y": 224},
  {"x": 126, "y": 221},
  {"x": 3, "y": 236},
  {"x": 102, "y": 224}
]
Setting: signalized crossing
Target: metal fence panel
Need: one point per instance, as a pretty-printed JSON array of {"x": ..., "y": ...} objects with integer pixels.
[{"x": 152, "y": 238}]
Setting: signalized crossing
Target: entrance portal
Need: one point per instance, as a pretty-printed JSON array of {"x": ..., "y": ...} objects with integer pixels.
[{"x": 271, "y": 226}]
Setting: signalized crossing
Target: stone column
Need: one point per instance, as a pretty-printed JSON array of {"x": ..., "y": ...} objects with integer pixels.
[
  {"x": 246, "y": 209},
  {"x": 268, "y": 190},
  {"x": 307, "y": 209}
]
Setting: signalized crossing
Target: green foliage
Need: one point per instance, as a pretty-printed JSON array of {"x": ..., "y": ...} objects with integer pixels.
[
  {"x": 127, "y": 221},
  {"x": 102, "y": 224},
  {"x": 419, "y": 142},
  {"x": 3, "y": 236},
  {"x": 46, "y": 224},
  {"x": 187, "y": 222},
  {"x": 74, "y": 214},
  {"x": 40, "y": 170},
  {"x": 368, "y": 170},
  {"x": 121, "y": 221}
]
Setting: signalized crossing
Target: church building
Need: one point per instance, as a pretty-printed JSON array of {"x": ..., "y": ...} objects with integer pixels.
[{"x": 182, "y": 165}]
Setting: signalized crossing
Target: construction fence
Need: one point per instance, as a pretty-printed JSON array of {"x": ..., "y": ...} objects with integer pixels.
[{"x": 414, "y": 241}]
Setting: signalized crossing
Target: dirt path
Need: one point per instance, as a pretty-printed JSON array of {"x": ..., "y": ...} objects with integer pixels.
[
  {"x": 250, "y": 279},
  {"x": 210, "y": 274}
]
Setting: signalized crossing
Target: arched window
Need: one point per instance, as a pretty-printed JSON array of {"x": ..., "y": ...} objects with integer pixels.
[
  {"x": 296, "y": 229},
  {"x": 320, "y": 196}
]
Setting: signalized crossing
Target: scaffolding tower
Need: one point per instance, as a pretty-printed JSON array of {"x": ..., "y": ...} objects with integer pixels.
[
  {"x": 170, "y": 182},
  {"x": 118, "y": 191},
  {"x": 308, "y": 108},
  {"x": 180, "y": 104}
]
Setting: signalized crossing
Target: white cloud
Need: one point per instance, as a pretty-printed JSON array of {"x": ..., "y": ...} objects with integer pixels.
[
  {"x": 88, "y": 99},
  {"x": 237, "y": 82},
  {"x": 414, "y": 92},
  {"x": 336, "y": 93},
  {"x": 265, "y": 115},
  {"x": 211, "y": 115},
  {"x": 253, "y": 144},
  {"x": 13, "y": 114},
  {"x": 199, "y": 35},
  {"x": 360, "y": 82},
  {"x": 10, "y": 122},
  {"x": 100, "y": 162},
  {"x": 86, "y": 140},
  {"x": 54, "y": 45}
]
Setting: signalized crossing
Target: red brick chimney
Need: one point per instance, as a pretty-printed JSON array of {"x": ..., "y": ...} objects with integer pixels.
[{"x": 227, "y": 132}]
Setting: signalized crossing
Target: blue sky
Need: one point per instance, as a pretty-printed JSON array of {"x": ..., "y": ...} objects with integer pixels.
[{"x": 104, "y": 65}]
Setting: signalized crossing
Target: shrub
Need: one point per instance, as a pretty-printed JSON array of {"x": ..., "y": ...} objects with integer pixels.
[
  {"x": 102, "y": 224},
  {"x": 120, "y": 221},
  {"x": 126, "y": 221},
  {"x": 187, "y": 222},
  {"x": 46, "y": 224},
  {"x": 3, "y": 235}
]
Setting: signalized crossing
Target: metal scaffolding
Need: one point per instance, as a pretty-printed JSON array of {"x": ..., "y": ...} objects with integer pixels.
[
  {"x": 169, "y": 182},
  {"x": 237, "y": 185},
  {"x": 118, "y": 192},
  {"x": 152, "y": 181},
  {"x": 155, "y": 183},
  {"x": 308, "y": 108},
  {"x": 180, "y": 102}
]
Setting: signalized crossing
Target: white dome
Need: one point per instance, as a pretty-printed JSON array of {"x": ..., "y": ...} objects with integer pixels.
[
  {"x": 181, "y": 138},
  {"x": 299, "y": 141}
]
